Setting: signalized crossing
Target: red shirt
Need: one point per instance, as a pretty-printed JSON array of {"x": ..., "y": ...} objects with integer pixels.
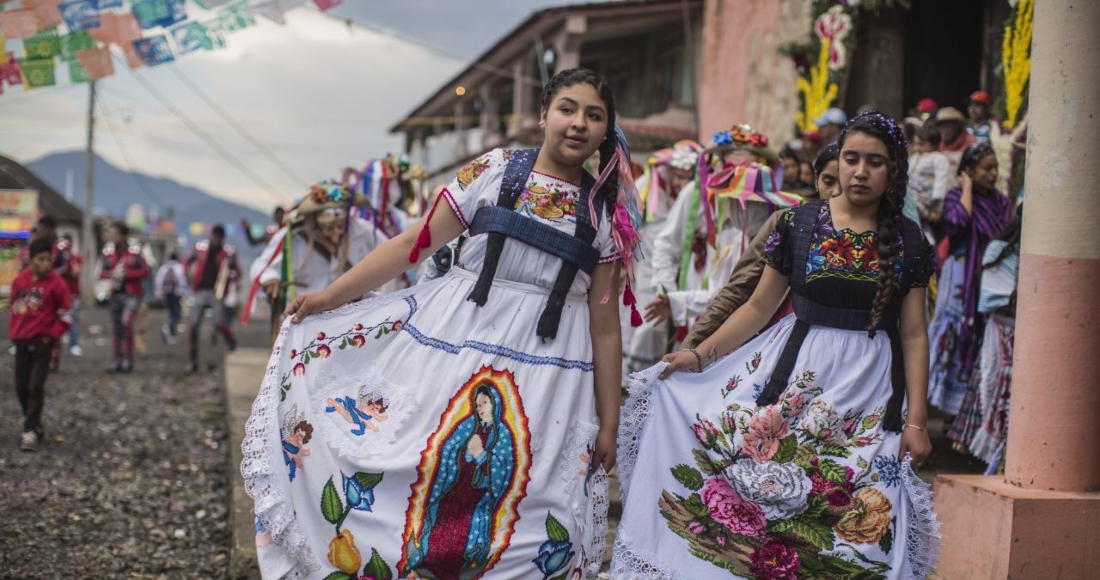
[
  {"x": 39, "y": 308},
  {"x": 134, "y": 268}
]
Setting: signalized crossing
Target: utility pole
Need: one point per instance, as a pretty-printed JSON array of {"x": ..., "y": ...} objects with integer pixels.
[{"x": 88, "y": 240}]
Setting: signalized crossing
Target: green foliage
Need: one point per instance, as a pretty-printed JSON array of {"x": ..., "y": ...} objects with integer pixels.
[
  {"x": 331, "y": 505},
  {"x": 554, "y": 530},
  {"x": 688, "y": 476},
  {"x": 787, "y": 447},
  {"x": 368, "y": 480},
  {"x": 377, "y": 568}
]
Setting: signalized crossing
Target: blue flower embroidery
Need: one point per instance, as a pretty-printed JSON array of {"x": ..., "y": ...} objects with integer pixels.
[
  {"x": 553, "y": 556},
  {"x": 889, "y": 470}
]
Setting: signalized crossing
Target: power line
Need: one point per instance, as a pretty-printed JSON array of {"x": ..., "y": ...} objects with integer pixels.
[
  {"x": 229, "y": 157},
  {"x": 432, "y": 48},
  {"x": 149, "y": 193},
  {"x": 240, "y": 129}
]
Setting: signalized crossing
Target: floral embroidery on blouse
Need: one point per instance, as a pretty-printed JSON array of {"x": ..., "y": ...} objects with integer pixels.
[
  {"x": 842, "y": 253},
  {"x": 548, "y": 200}
]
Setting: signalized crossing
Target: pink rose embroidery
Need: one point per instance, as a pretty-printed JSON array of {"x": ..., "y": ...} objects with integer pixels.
[
  {"x": 739, "y": 515},
  {"x": 766, "y": 428}
]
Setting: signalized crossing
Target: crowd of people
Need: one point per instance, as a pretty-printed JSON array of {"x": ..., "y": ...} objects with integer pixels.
[{"x": 786, "y": 321}]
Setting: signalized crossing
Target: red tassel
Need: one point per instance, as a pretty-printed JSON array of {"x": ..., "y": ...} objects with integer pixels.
[
  {"x": 635, "y": 316},
  {"x": 628, "y": 296},
  {"x": 424, "y": 240}
]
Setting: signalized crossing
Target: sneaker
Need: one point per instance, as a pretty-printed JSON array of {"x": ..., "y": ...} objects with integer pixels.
[
  {"x": 232, "y": 346},
  {"x": 116, "y": 366},
  {"x": 54, "y": 367},
  {"x": 11, "y": 351},
  {"x": 190, "y": 368},
  {"x": 75, "y": 350},
  {"x": 29, "y": 442},
  {"x": 127, "y": 365}
]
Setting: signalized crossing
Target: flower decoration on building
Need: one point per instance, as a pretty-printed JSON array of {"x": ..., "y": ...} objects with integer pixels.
[
  {"x": 1016, "y": 59},
  {"x": 818, "y": 92},
  {"x": 834, "y": 25}
]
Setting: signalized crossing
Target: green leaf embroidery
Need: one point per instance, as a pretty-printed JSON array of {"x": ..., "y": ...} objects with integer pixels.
[
  {"x": 861, "y": 463},
  {"x": 377, "y": 568},
  {"x": 331, "y": 506},
  {"x": 787, "y": 447},
  {"x": 703, "y": 461},
  {"x": 306, "y": 356},
  {"x": 810, "y": 561},
  {"x": 813, "y": 531},
  {"x": 694, "y": 504},
  {"x": 832, "y": 471},
  {"x": 887, "y": 541},
  {"x": 368, "y": 480},
  {"x": 337, "y": 576},
  {"x": 779, "y": 526},
  {"x": 688, "y": 476},
  {"x": 378, "y": 335},
  {"x": 804, "y": 455},
  {"x": 835, "y": 450},
  {"x": 817, "y": 506},
  {"x": 554, "y": 530},
  {"x": 283, "y": 390}
]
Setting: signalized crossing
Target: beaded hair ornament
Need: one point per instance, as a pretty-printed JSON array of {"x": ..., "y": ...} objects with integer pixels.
[{"x": 896, "y": 148}]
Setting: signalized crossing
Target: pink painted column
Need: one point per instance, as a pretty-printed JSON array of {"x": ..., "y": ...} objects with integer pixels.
[
  {"x": 1054, "y": 430},
  {"x": 1039, "y": 521}
]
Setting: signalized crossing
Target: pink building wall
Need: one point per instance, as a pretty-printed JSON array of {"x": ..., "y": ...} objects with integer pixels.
[{"x": 743, "y": 78}]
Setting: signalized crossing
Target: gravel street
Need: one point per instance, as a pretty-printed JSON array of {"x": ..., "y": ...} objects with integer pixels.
[{"x": 131, "y": 481}]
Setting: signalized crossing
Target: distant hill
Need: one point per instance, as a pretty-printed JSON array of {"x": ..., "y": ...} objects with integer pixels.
[{"x": 116, "y": 189}]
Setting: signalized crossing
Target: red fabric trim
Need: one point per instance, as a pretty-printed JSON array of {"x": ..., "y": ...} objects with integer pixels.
[{"x": 446, "y": 194}]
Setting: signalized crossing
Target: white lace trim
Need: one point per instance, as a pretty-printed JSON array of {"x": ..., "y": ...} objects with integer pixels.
[
  {"x": 632, "y": 421},
  {"x": 261, "y": 451},
  {"x": 360, "y": 381},
  {"x": 922, "y": 539},
  {"x": 597, "y": 520},
  {"x": 588, "y": 499},
  {"x": 629, "y": 563}
]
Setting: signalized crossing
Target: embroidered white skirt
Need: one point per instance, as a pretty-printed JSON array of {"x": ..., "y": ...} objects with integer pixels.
[
  {"x": 418, "y": 435},
  {"x": 811, "y": 486}
]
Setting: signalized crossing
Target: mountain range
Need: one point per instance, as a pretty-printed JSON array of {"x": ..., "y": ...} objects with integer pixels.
[{"x": 116, "y": 189}]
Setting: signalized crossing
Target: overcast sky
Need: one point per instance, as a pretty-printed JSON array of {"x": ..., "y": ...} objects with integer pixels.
[{"x": 316, "y": 93}]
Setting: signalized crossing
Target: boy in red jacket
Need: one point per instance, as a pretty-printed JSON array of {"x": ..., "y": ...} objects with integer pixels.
[{"x": 40, "y": 304}]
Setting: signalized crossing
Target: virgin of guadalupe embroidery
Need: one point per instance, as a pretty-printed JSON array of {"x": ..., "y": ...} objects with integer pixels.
[{"x": 472, "y": 475}]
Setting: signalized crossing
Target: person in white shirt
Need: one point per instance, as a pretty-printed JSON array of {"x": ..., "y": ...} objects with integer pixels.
[
  {"x": 170, "y": 287},
  {"x": 668, "y": 171},
  {"x": 930, "y": 178}
]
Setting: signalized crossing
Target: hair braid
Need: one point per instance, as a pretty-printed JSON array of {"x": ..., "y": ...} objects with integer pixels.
[
  {"x": 889, "y": 218},
  {"x": 888, "y": 232}
]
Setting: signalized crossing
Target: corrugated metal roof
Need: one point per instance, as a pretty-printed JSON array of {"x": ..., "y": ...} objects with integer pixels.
[{"x": 13, "y": 175}]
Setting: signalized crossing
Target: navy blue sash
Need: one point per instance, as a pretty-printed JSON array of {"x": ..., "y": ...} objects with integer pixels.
[
  {"x": 809, "y": 313},
  {"x": 501, "y": 222}
]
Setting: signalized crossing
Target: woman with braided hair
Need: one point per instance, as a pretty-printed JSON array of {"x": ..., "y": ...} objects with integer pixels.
[
  {"x": 790, "y": 454},
  {"x": 493, "y": 390}
]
